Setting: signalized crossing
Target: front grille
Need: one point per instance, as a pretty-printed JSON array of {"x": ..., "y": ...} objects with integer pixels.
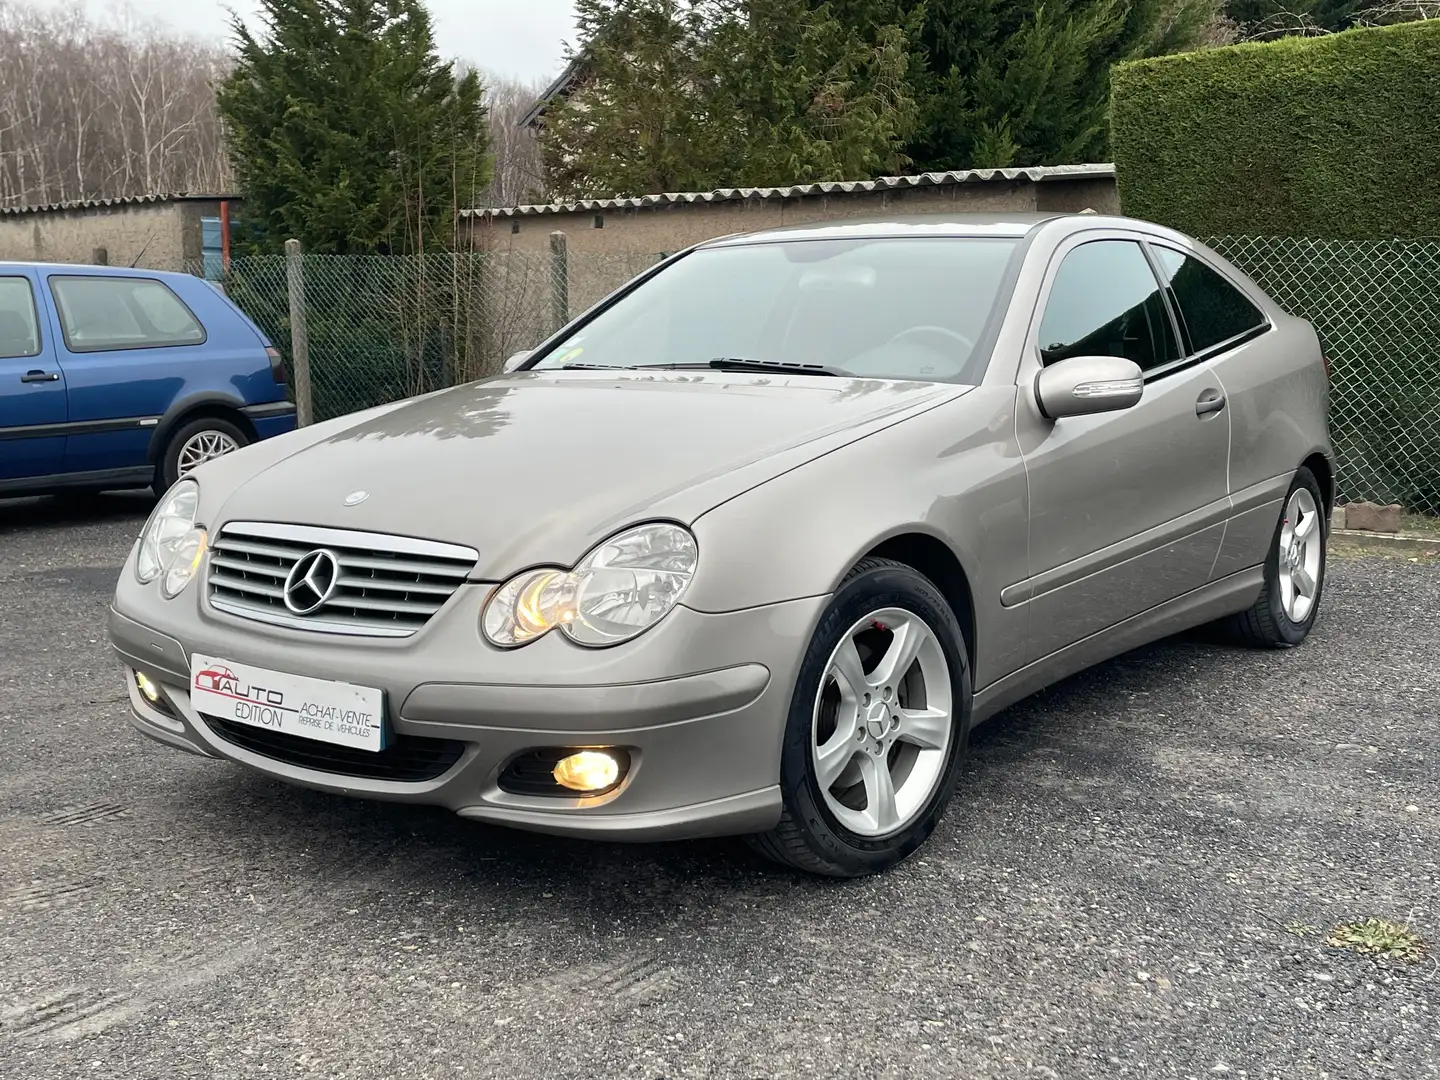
[
  {"x": 385, "y": 586},
  {"x": 408, "y": 757}
]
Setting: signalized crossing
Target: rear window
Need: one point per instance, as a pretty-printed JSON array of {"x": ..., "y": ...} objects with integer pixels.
[
  {"x": 108, "y": 313},
  {"x": 19, "y": 328}
]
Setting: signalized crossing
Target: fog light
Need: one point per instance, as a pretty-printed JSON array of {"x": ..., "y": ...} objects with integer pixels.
[
  {"x": 147, "y": 687},
  {"x": 589, "y": 770}
]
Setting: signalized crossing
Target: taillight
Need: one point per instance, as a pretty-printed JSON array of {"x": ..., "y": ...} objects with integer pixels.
[
  {"x": 1326, "y": 360},
  {"x": 277, "y": 364}
]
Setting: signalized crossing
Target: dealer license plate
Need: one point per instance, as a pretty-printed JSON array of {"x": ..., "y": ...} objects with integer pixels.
[{"x": 332, "y": 712}]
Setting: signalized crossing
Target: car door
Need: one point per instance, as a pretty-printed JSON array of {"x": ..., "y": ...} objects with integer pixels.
[
  {"x": 126, "y": 342},
  {"x": 32, "y": 386},
  {"x": 1127, "y": 508},
  {"x": 1266, "y": 381}
]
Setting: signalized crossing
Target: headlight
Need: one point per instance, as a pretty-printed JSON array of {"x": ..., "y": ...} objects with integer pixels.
[
  {"x": 618, "y": 591},
  {"x": 170, "y": 544}
]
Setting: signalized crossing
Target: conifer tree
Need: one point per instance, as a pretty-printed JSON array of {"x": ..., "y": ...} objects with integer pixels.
[{"x": 347, "y": 131}]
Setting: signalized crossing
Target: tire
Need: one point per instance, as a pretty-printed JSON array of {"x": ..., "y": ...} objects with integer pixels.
[
  {"x": 167, "y": 469},
  {"x": 811, "y": 834},
  {"x": 1268, "y": 624}
]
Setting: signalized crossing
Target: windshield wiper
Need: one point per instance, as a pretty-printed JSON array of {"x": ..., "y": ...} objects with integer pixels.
[
  {"x": 720, "y": 363},
  {"x": 736, "y": 363}
]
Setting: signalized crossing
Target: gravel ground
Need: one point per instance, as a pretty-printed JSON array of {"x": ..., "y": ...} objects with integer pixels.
[{"x": 1123, "y": 887}]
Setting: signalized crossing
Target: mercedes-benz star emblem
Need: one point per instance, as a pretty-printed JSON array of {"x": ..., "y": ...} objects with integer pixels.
[
  {"x": 355, "y": 498},
  {"x": 311, "y": 581}
]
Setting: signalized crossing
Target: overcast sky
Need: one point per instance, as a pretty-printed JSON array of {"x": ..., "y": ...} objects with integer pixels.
[{"x": 523, "y": 38}]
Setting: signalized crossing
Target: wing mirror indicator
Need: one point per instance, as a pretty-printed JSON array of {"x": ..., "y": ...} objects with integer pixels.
[{"x": 1082, "y": 385}]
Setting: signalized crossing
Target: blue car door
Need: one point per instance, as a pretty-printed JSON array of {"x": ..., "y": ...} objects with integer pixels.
[
  {"x": 32, "y": 386},
  {"x": 126, "y": 342}
]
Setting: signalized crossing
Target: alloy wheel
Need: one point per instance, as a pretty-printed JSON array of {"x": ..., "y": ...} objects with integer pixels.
[
  {"x": 1302, "y": 541},
  {"x": 204, "y": 446},
  {"x": 883, "y": 723}
]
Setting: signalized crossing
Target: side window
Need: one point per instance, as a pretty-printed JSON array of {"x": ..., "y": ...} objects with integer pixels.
[
  {"x": 104, "y": 313},
  {"x": 19, "y": 327},
  {"x": 1106, "y": 302},
  {"x": 1211, "y": 308}
]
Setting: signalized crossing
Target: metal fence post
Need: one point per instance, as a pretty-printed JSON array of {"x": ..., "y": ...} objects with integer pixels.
[
  {"x": 299, "y": 339},
  {"x": 559, "y": 279}
]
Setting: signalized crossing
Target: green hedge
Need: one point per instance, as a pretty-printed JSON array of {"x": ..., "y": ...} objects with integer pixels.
[{"x": 1335, "y": 137}]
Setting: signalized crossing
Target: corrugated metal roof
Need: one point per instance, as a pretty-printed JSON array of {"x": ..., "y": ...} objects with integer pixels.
[
  {"x": 1037, "y": 174},
  {"x": 97, "y": 204}
]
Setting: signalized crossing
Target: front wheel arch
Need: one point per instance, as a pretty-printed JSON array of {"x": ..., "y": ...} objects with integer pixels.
[{"x": 933, "y": 558}]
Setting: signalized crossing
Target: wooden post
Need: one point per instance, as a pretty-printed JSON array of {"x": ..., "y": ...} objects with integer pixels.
[
  {"x": 225, "y": 236},
  {"x": 299, "y": 340},
  {"x": 559, "y": 279}
]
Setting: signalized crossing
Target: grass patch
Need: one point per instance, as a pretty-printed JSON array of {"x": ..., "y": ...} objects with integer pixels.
[
  {"x": 1379, "y": 937},
  {"x": 1426, "y": 525}
]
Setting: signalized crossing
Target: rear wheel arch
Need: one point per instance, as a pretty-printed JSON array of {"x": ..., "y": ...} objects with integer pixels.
[
  {"x": 221, "y": 408},
  {"x": 1320, "y": 468}
]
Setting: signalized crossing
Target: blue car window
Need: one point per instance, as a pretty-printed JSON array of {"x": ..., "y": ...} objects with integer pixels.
[
  {"x": 107, "y": 313},
  {"x": 19, "y": 328}
]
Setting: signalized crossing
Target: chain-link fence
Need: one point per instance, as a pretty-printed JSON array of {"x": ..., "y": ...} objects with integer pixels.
[
  {"x": 382, "y": 328},
  {"x": 1376, "y": 306}
]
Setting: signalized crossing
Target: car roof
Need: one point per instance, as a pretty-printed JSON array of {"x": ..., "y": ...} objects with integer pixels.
[
  {"x": 90, "y": 268},
  {"x": 1011, "y": 225}
]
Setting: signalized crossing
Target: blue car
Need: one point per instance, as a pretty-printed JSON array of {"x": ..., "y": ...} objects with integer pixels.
[{"x": 117, "y": 378}]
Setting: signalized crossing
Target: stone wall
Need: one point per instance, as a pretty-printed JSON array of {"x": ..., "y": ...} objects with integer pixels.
[{"x": 158, "y": 233}]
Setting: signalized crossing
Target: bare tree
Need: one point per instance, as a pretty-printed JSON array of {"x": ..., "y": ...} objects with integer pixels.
[
  {"x": 519, "y": 175},
  {"x": 1398, "y": 11},
  {"x": 92, "y": 110}
]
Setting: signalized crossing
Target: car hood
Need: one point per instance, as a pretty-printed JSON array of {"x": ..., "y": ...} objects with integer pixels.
[{"x": 537, "y": 467}]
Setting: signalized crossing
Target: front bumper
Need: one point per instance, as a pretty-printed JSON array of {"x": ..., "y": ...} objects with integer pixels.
[{"x": 699, "y": 704}]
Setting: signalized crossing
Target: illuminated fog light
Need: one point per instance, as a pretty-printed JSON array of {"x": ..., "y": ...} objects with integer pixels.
[
  {"x": 147, "y": 687},
  {"x": 589, "y": 770}
]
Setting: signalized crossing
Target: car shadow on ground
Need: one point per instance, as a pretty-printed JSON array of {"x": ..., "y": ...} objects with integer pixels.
[
  {"x": 51, "y": 511},
  {"x": 427, "y": 849}
]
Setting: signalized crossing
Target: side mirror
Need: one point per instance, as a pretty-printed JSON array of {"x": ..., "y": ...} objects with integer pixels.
[
  {"x": 1081, "y": 385},
  {"x": 516, "y": 360}
]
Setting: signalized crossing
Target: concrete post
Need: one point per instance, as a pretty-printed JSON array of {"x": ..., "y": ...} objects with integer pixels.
[{"x": 299, "y": 339}]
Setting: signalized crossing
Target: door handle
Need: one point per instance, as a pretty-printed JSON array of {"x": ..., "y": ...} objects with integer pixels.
[
  {"x": 1211, "y": 401},
  {"x": 40, "y": 376}
]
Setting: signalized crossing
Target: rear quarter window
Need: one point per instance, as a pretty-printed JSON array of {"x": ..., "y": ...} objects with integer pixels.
[
  {"x": 110, "y": 313},
  {"x": 1212, "y": 310}
]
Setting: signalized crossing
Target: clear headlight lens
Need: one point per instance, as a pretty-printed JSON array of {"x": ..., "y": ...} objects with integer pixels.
[
  {"x": 618, "y": 591},
  {"x": 170, "y": 544}
]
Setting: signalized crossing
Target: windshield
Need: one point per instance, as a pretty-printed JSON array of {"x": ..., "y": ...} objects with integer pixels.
[{"x": 893, "y": 308}]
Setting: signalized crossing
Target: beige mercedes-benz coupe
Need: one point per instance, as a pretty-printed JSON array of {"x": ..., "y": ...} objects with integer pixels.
[{"x": 752, "y": 544}]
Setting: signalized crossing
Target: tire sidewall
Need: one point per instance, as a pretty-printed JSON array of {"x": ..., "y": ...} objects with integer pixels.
[
  {"x": 885, "y": 586},
  {"x": 168, "y": 471},
  {"x": 1293, "y": 633}
]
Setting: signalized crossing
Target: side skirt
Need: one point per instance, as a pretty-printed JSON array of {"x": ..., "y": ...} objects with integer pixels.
[{"x": 1211, "y": 601}]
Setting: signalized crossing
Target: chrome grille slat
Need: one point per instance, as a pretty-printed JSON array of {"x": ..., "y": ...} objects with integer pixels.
[
  {"x": 403, "y": 565},
  {"x": 347, "y": 582},
  {"x": 268, "y": 551},
  {"x": 275, "y": 570},
  {"x": 401, "y": 607},
  {"x": 254, "y": 588},
  {"x": 383, "y": 586}
]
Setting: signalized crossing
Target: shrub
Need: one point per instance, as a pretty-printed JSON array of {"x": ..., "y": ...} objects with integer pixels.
[{"x": 1331, "y": 137}]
